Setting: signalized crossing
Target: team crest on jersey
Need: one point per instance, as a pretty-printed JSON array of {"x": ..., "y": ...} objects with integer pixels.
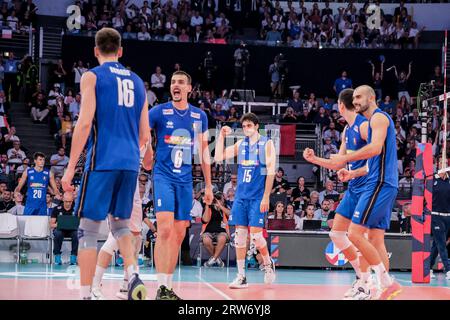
[
  {"x": 355, "y": 128},
  {"x": 195, "y": 115},
  {"x": 169, "y": 125},
  {"x": 31, "y": 178},
  {"x": 167, "y": 112},
  {"x": 44, "y": 177}
]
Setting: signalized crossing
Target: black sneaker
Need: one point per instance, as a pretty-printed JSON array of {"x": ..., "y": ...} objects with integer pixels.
[
  {"x": 164, "y": 293},
  {"x": 136, "y": 289}
]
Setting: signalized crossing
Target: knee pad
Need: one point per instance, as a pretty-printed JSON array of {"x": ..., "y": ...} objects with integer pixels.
[
  {"x": 119, "y": 228},
  {"x": 88, "y": 234},
  {"x": 110, "y": 245},
  {"x": 258, "y": 239},
  {"x": 340, "y": 239},
  {"x": 240, "y": 238}
]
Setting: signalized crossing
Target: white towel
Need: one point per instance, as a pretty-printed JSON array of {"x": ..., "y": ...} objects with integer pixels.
[
  {"x": 8, "y": 223},
  {"x": 36, "y": 227}
]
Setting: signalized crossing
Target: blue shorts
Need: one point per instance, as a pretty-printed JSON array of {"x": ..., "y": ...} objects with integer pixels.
[
  {"x": 106, "y": 192},
  {"x": 374, "y": 207},
  {"x": 173, "y": 197},
  {"x": 346, "y": 207},
  {"x": 42, "y": 211},
  {"x": 246, "y": 213}
]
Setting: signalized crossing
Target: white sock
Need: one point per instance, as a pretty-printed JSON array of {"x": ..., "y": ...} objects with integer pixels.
[
  {"x": 99, "y": 271},
  {"x": 382, "y": 275},
  {"x": 169, "y": 280},
  {"x": 85, "y": 292},
  {"x": 125, "y": 276},
  {"x": 355, "y": 265},
  {"x": 161, "y": 279},
  {"x": 266, "y": 259},
  {"x": 131, "y": 270},
  {"x": 241, "y": 267},
  {"x": 365, "y": 276}
]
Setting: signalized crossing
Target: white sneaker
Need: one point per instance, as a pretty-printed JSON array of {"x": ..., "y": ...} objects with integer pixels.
[
  {"x": 220, "y": 263},
  {"x": 211, "y": 261},
  {"x": 362, "y": 293},
  {"x": 97, "y": 294},
  {"x": 447, "y": 275},
  {"x": 269, "y": 273},
  {"x": 123, "y": 291},
  {"x": 353, "y": 290},
  {"x": 239, "y": 283},
  {"x": 432, "y": 275}
]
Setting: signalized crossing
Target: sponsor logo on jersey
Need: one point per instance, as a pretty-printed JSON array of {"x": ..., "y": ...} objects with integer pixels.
[
  {"x": 37, "y": 185},
  {"x": 261, "y": 221},
  {"x": 169, "y": 125},
  {"x": 195, "y": 115},
  {"x": 356, "y": 215},
  {"x": 178, "y": 140},
  {"x": 355, "y": 128},
  {"x": 248, "y": 163},
  {"x": 167, "y": 112},
  {"x": 31, "y": 177}
]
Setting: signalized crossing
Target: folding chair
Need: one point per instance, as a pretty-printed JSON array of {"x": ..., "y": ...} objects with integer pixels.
[
  {"x": 9, "y": 230},
  {"x": 227, "y": 246},
  {"x": 38, "y": 228}
]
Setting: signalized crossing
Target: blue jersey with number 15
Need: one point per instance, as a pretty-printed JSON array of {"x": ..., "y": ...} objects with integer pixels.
[{"x": 114, "y": 140}]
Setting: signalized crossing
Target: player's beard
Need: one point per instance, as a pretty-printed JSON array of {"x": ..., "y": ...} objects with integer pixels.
[{"x": 363, "y": 108}]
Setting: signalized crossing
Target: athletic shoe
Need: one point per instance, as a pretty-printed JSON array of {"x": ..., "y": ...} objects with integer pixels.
[
  {"x": 269, "y": 273},
  {"x": 123, "y": 291},
  {"x": 136, "y": 289},
  {"x": 432, "y": 275},
  {"x": 97, "y": 294},
  {"x": 361, "y": 293},
  {"x": 447, "y": 275},
  {"x": 353, "y": 290},
  {"x": 220, "y": 263},
  {"x": 58, "y": 260},
  {"x": 164, "y": 293},
  {"x": 391, "y": 292},
  {"x": 210, "y": 263},
  {"x": 73, "y": 260},
  {"x": 239, "y": 283}
]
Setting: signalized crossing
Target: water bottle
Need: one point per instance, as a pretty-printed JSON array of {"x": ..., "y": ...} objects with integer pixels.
[
  {"x": 199, "y": 261},
  {"x": 23, "y": 257}
]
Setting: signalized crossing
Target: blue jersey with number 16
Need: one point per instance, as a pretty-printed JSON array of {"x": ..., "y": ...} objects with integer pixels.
[{"x": 114, "y": 140}]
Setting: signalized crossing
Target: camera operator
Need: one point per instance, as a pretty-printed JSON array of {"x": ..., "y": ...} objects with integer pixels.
[
  {"x": 207, "y": 69},
  {"x": 241, "y": 61},
  {"x": 215, "y": 232},
  {"x": 278, "y": 73}
]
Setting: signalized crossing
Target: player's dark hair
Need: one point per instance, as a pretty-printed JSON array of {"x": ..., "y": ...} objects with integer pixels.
[
  {"x": 38, "y": 154},
  {"x": 250, "y": 117},
  {"x": 346, "y": 97},
  {"x": 182, "y": 73},
  {"x": 108, "y": 41}
]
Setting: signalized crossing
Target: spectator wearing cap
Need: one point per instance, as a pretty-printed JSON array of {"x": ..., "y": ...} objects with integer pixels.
[{"x": 54, "y": 93}]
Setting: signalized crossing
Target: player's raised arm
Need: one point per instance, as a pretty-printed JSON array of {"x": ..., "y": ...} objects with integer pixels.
[
  {"x": 22, "y": 181},
  {"x": 83, "y": 126},
  {"x": 230, "y": 152},
  {"x": 309, "y": 156}
]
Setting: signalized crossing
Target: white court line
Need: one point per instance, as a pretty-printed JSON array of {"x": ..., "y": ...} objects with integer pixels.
[{"x": 209, "y": 285}]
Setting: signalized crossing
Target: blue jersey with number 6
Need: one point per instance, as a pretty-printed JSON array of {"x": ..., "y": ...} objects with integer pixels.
[
  {"x": 252, "y": 169},
  {"x": 37, "y": 183},
  {"x": 114, "y": 140}
]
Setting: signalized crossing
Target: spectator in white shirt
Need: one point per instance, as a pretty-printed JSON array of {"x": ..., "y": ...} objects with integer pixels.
[
  {"x": 143, "y": 34},
  {"x": 232, "y": 184},
  {"x": 197, "y": 209},
  {"x": 59, "y": 162},
  {"x": 309, "y": 215},
  {"x": 158, "y": 80},
  {"x": 74, "y": 107},
  {"x": 15, "y": 155},
  {"x": 18, "y": 207},
  {"x": 78, "y": 70},
  {"x": 118, "y": 22},
  {"x": 329, "y": 190},
  {"x": 13, "y": 21},
  {"x": 171, "y": 36},
  {"x": 196, "y": 20},
  {"x": 11, "y": 136},
  {"x": 24, "y": 166}
]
